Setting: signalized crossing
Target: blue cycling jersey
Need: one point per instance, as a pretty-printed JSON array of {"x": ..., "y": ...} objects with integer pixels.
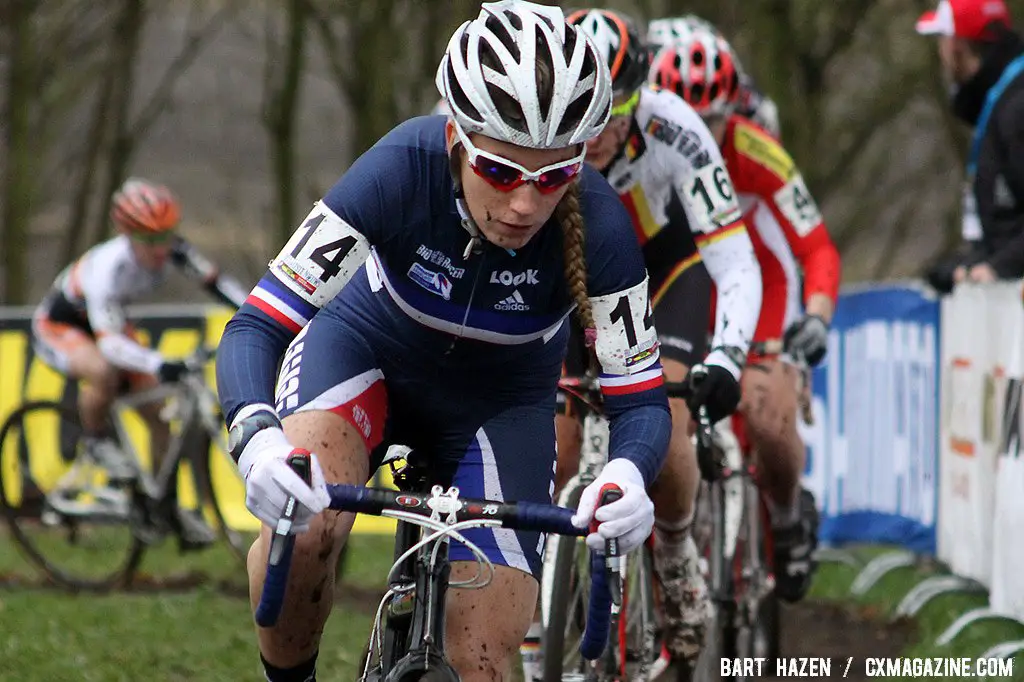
[{"x": 387, "y": 250}]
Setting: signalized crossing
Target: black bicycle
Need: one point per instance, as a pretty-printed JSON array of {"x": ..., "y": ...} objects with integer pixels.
[{"x": 407, "y": 640}]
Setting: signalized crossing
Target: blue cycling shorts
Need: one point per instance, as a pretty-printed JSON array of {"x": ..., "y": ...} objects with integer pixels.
[{"x": 490, "y": 434}]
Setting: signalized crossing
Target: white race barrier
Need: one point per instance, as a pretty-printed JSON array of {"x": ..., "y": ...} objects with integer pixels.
[
  {"x": 967, "y": 453},
  {"x": 981, "y": 496},
  {"x": 918, "y": 440}
]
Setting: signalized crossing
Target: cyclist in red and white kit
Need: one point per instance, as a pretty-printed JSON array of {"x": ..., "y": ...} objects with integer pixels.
[
  {"x": 789, "y": 235},
  {"x": 750, "y": 102},
  {"x": 660, "y": 157},
  {"x": 80, "y": 329}
]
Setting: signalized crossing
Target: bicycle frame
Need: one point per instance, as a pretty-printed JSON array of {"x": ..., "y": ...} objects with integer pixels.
[
  {"x": 739, "y": 577},
  {"x": 446, "y": 514},
  {"x": 593, "y": 457},
  {"x": 737, "y": 514},
  {"x": 157, "y": 484},
  {"x": 415, "y": 639},
  {"x": 193, "y": 404}
]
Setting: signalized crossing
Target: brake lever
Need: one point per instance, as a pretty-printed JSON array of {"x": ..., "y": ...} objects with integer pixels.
[
  {"x": 610, "y": 492},
  {"x": 283, "y": 535},
  {"x": 705, "y": 446},
  {"x": 282, "y": 542}
]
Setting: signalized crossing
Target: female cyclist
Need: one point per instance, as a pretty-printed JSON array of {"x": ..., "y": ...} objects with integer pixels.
[
  {"x": 424, "y": 300},
  {"x": 81, "y": 326}
]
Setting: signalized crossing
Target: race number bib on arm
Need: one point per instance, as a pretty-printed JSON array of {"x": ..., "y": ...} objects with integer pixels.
[
  {"x": 627, "y": 341},
  {"x": 321, "y": 257},
  {"x": 797, "y": 204},
  {"x": 711, "y": 198}
]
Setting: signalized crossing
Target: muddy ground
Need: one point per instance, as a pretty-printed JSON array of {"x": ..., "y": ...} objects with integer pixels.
[{"x": 839, "y": 631}]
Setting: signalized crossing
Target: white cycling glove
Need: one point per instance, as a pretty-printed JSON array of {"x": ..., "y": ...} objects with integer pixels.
[
  {"x": 630, "y": 518},
  {"x": 269, "y": 481}
]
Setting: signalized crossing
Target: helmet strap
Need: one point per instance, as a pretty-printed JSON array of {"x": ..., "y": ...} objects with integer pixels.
[{"x": 476, "y": 236}]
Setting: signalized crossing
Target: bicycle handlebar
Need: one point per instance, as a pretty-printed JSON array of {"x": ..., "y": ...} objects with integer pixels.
[
  {"x": 605, "y": 587},
  {"x": 532, "y": 516},
  {"x": 279, "y": 558}
]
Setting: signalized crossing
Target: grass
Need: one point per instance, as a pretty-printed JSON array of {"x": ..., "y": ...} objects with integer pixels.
[
  {"x": 203, "y": 633},
  {"x": 833, "y": 584},
  {"x": 198, "y": 627}
]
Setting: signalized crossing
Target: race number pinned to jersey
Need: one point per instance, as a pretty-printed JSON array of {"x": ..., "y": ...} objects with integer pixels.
[
  {"x": 627, "y": 341},
  {"x": 711, "y": 199},
  {"x": 321, "y": 257},
  {"x": 797, "y": 204}
]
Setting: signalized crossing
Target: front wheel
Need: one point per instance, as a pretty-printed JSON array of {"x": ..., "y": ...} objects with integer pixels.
[
  {"x": 564, "y": 582},
  {"x": 57, "y": 504}
]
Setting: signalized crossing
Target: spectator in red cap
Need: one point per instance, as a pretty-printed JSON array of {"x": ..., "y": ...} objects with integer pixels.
[{"x": 983, "y": 60}]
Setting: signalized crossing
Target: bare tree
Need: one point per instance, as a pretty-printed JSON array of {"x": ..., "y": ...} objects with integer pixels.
[
  {"x": 113, "y": 120},
  {"x": 382, "y": 82},
  {"x": 18, "y": 156},
  {"x": 41, "y": 42},
  {"x": 283, "y": 77}
]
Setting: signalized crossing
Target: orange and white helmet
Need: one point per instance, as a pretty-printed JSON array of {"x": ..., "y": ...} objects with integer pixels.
[
  {"x": 144, "y": 208},
  {"x": 699, "y": 66}
]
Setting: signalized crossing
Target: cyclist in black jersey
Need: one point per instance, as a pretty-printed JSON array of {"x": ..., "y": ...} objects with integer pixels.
[{"x": 660, "y": 157}]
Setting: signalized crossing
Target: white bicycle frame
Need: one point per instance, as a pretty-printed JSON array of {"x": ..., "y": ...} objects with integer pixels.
[{"x": 593, "y": 457}]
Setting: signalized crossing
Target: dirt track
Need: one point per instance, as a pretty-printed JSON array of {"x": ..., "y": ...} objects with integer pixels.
[{"x": 819, "y": 629}]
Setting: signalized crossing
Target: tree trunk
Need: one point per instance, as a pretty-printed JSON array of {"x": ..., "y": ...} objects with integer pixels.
[
  {"x": 371, "y": 80},
  {"x": 128, "y": 29},
  {"x": 89, "y": 169},
  {"x": 281, "y": 113},
  {"x": 21, "y": 163}
]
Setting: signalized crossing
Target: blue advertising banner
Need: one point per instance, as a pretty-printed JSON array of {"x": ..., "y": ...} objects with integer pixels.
[{"x": 873, "y": 454}]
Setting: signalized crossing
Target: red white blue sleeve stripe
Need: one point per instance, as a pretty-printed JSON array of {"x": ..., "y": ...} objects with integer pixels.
[
  {"x": 637, "y": 408},
  {"x": 620, "y": 384},
  {"x": 281, "y": 304}
]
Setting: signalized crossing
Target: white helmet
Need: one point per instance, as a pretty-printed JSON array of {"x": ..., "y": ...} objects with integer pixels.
[{"x": 490, "y": 68}]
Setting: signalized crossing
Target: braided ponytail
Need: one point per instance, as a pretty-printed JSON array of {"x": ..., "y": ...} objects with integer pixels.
[{"x": 571, "y": 220}]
